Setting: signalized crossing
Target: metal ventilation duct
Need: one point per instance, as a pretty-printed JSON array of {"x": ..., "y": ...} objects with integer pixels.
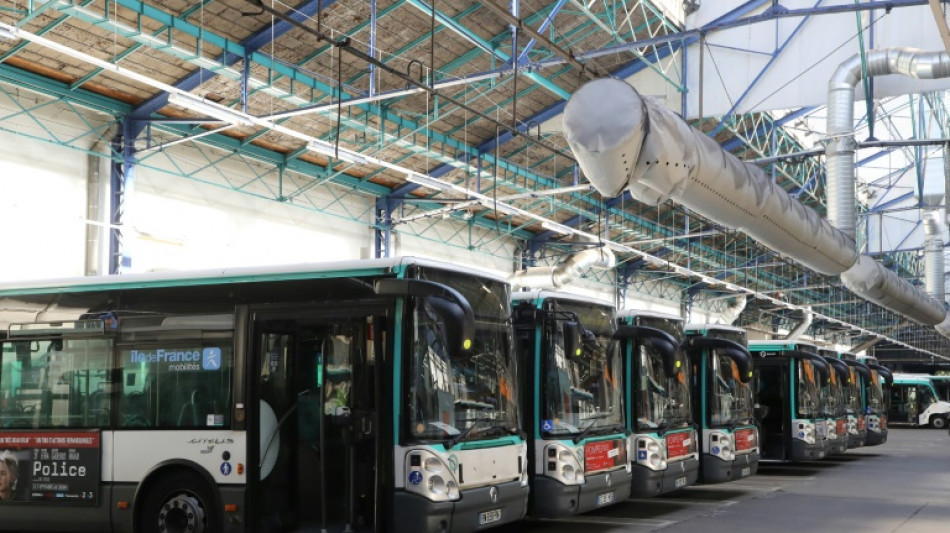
[
  {"x": 839, "y": 151},
  {"x": 933, "y": 221},
  {"x": 624, "y": 141},
  {"x": 567, "y": 271}
]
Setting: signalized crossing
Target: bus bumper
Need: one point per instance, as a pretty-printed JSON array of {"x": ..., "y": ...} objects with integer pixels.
[
  {"x": 856, "y": 440},
  {"x": 716, "y": 470},
  {"x": 415, "y": 514},
  {"x": 875, "y": 438},
  {"x": 647, "y": 483},
  {"x": 552, "y": 499},
  {"x": 802, "y": 451},
  {"x": 837, "y": 446}
]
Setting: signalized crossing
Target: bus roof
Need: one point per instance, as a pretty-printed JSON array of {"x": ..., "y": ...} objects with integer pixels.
[
  {"x": 554, "y": 295},
  {"x": 217, "y": 276},
  {"x": 705, "y": 326},
  {"x": 781, "y": 344},
  {"x": 652, "y": 314}
]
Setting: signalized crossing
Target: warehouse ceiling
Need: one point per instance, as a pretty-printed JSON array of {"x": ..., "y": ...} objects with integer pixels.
[{"x": 342, "y": 95}]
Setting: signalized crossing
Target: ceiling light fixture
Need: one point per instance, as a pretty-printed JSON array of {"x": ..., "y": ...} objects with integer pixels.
[
  {"x": 211, "y": 109},
  {"x": 8, "y": 32},
  {"x": 342, "y": 154},
  {"x": 560, "y": 229}
]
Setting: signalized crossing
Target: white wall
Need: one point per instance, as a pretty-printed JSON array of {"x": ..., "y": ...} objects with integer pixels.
[{"x": 42, "y": 209}]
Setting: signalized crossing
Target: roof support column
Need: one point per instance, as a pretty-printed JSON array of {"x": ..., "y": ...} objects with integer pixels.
[
  {"x": 123, "y": 188},
  {"x": 383, "y": 229}
]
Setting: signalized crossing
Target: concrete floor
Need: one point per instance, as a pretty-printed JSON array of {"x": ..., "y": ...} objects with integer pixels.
[{"x": 900, "y": 487}]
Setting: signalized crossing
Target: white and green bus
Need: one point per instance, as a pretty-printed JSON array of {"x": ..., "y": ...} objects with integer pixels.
[
  {"x": 914, "y": 401},
  {"x": 376, "y": 395},
  {"x": 788, "y": 377},
  {"x": 878, "y": 395},
  {"x": 856, "y": 400},
  {"x": 572, "y": 397},
  {"x": 723, "y": 401},
  {"x": 834, "y": 394},
  {"x": 659, "y": 410}
]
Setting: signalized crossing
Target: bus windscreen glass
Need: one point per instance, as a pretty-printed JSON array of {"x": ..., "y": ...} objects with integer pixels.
[
  {"x": 731, "y": 399},
  {"x": 475, "y": 394},
  {"x": 583, "y": 392},
  {"x": 808, "y": 404}
]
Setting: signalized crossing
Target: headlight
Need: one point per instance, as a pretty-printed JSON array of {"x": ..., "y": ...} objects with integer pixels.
[
  {"x": 437, "y": 485},
  {"x": 650, "y": 453},
  {"x": 434, "y": 465},
  {"x": 567, "y": 472},
  {"x": 562, "y": 464},
  {"x": 429, "y": 476}
]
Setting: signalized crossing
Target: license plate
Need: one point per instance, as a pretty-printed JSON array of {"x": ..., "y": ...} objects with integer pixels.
[
  {"x": 679, "y": 482},
  {"x": 489, "y": 517},
  {"x": 746, "y": 471},
  {"x": 605, "y": 498}
]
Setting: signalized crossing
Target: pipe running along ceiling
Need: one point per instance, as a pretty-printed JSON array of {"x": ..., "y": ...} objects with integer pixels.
[{"x": 625, "y": 141}]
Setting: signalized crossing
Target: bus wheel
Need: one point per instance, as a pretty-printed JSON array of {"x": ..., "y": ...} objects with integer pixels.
[
  {"x": 178, "y": 503},
  {"x": 938, "y": 422}
]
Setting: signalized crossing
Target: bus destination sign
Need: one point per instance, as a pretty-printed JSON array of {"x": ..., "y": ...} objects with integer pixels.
[{"x": 59, "y": 467}]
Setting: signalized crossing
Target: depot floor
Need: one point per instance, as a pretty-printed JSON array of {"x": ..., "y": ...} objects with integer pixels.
[{"x": 900, "y": 487}]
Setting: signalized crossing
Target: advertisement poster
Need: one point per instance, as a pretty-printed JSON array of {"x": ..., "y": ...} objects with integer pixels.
[
  {"x": 605, "y": 454},
  {"x": 50, "y": 467}
]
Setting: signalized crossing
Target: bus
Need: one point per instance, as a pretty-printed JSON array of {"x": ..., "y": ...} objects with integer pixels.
[
  {"x": 572, "y": 397},
  {"x": 723, "y": 401},
  {"x": 914, "y": 400},
  {"x": 659, "y": 416},
  {"x": 942, "y": 384},
  {"x": 834, "y": 402},
  {"x": 363, "y": 395},
  {"x": 877, "y": 391},
  {"x": 788, "y": 377},
  {"x": 856, "y": 400}
]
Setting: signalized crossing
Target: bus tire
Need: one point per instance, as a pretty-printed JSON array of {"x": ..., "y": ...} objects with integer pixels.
[
  {"x": 179, "y": 502},
  {"x": 938, "y": 421}
]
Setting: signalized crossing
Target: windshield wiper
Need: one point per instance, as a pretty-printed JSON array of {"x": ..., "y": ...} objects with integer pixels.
[
  {"x": 458, "y": 438},
  {"x": 593, "y": 418}
]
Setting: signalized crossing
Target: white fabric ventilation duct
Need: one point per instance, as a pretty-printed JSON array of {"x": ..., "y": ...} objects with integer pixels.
[
  {"x": 567, "y": 271},
  {"x": 802, "y": 326},
  {"x": 733, "y": 310},
  {"x": 624, "y": 141}
]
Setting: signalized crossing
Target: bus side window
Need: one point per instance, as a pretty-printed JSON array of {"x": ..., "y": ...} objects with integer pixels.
[{"x": 177, "y": 384}]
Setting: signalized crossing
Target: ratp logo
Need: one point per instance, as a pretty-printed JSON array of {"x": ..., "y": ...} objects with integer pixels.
[{"x": 211, "y": 359}]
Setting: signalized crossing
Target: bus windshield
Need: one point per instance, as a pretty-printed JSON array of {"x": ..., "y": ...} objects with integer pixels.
[
  {"x": 474, "y": 394},
  {"x": 663, "y": 400},
  {"x": 854, "y": 403},
  {"x": 808, "y": 394},
  {"x": 875, "y": 393},
  {"x": 583, "y": 393},
  {"x": 833, "y": 396},
  {"x": 730, "y": 401}
]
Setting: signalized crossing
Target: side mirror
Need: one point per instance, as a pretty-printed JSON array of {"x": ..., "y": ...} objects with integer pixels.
[
  {"x": 572, "y": 338},
  {"x": 453, "y": 309},
  {"x": 661, "y": 341},
  {"x": 453, "y": 322},
  {"x": 735, "y": 351}
]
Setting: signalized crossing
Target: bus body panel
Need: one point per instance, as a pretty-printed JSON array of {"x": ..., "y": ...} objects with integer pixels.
[
  {"x": 478, "y": 467},
  {"x": 937, "y": 408},
  {"x": 480, "y": 507},
  {"x": 136, "y": 454},
  {"x": 715, "y": 469}
]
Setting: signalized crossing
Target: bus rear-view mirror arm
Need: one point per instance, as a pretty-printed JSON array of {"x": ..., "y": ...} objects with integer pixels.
[{"x": 454, "y": 310}]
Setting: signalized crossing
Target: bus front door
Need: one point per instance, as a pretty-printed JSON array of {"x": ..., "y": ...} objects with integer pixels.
[
  {"x": 903, "y": 404},
  {"x": 317, "y": 384}
]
